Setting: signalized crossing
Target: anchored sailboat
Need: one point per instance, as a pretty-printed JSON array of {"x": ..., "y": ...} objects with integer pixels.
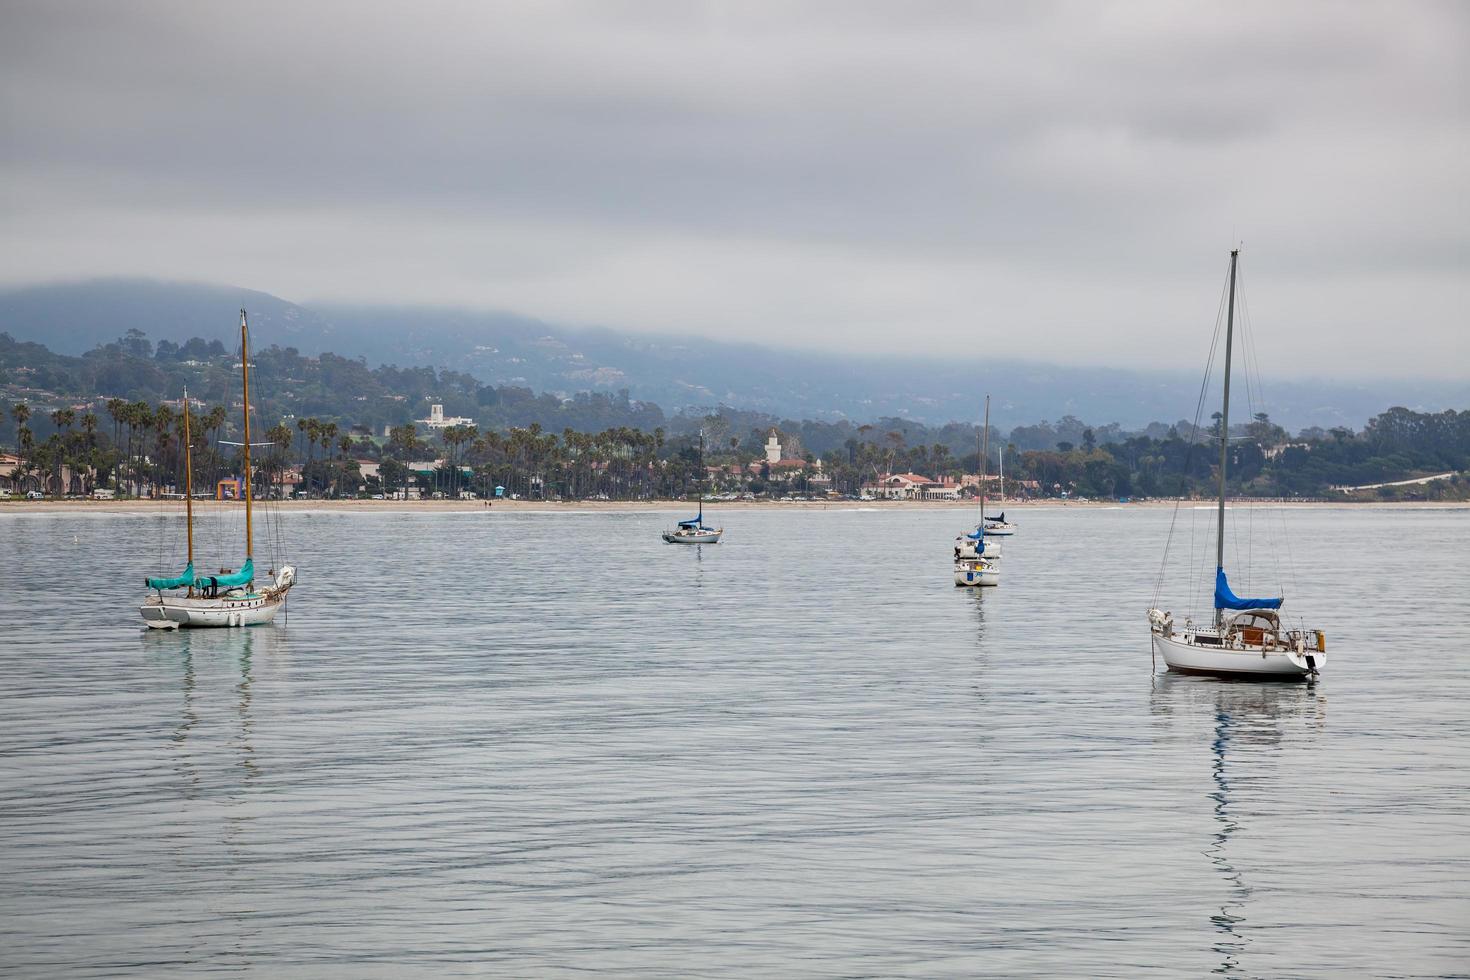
[
  {"x": 999, "y": 526},
  {"x": 974, "y": 563},
  {"x": 1245, "y": 638},
  {"x": 230, "y": 597},
  {"x": 694, "y": 531}
]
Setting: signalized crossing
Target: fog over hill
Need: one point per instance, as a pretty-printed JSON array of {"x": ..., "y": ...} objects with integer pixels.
[{"x": 679, "y": 373}]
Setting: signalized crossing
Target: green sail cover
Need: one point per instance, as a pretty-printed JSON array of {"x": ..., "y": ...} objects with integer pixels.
[
  {"x": 244, "y": 576},
  {"x": 186, "y": 579}
]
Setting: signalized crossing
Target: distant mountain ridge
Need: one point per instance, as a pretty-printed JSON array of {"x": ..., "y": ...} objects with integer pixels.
[{"x": 677, "y": 373}]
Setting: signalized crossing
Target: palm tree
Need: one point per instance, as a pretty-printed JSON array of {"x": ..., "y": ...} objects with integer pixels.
[
  {"x": 344, "y": 444},
  {"x": 139, "y": 417},
  {"x": 89, "y": 431},
  {"x": 280, "y": 435},
  {"x": 21, "y": 412},
  {"x": 62, "y": 418},
  {"x": 327, "y": 434},
  {"x": 116, "y": 407},
  {"x": 306, "y": 426},
  {"x": 213, "y": 421}
]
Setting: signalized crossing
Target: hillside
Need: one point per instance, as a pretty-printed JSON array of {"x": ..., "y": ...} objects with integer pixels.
[{"x": 680, "y": 374}]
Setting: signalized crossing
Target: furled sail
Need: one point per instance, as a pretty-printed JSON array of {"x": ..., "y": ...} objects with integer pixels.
[
  {"x": 183, "y": 581},
  {"x": 1225, "y": 599},
  {"x": 244, "y": 576}
]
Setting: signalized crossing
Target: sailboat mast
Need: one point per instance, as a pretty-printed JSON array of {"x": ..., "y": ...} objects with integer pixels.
[
  {"x": 188, "y": 481},
  {"x": 1225, "y": 422},
  {"x": 985, "y": 461},
  {"x": 245, "y": 381}
]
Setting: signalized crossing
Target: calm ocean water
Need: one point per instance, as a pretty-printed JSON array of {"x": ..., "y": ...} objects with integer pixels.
[{"x": 544, "y": 745}]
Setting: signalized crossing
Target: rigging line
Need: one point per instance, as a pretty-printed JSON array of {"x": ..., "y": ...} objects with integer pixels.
[
  {"x": 1243, "y": 499},
  {"x": 1281, "y": 510},
  {"x": 1202, "y": 575},
  {"x": 1250, "y": 368},
  {"x": 1189, "y": 453}
]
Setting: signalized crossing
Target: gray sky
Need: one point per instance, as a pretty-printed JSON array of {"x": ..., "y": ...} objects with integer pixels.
[{"x": 1059, "y": 182}]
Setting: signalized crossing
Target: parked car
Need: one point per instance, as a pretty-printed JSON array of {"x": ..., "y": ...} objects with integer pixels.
[{"x": 35, "y": 495}]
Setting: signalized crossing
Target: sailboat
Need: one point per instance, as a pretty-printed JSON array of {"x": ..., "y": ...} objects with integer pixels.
[
  {"x": 976, "y": 568},
  {"x": 999, "y": 526},
  {"x": 229, "y": 597},
  {"x": 1245, "y": 638},
  {"x": 694, "y": 531}
]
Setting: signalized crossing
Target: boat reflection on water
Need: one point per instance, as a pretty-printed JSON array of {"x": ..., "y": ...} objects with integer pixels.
[
  {"x": 199, "y": 656},
  {"x": 1244, "y": 718}
]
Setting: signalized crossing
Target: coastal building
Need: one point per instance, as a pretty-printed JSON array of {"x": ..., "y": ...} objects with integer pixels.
[
  {"x": 438, "y": 420},
  {"x": 17, "y": 479},
  {"x": 897, "y": 486},
  {"x": 943, "y": 488},
  {"x": 773, "y": 448},
  {"x": 13, "y": 478},
  {"x": 780, "y": 467},
  {"x": 913, "y": 486}
]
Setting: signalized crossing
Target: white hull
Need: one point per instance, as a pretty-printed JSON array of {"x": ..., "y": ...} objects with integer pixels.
[
  {"x": 974, "y": 574},
  {"x": 171, "y": 612},
  {"x": 964, "y": 548},
  {"x": 1244, "y": 661},
  {"x": 999, "y": 530},
  {"x": 699, "y": 537}
]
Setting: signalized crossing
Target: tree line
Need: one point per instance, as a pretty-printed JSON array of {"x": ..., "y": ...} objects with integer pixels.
[{"x": 331, "y": 411}]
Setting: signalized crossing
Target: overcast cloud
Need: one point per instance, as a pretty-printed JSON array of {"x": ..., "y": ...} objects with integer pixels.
[{"x": 1054, "y": 181}]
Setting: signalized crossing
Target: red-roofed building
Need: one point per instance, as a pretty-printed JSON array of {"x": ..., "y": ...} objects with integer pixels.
[{"x": 897, "y": 486}]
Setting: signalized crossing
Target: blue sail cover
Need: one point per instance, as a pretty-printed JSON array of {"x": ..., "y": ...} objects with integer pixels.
[
  {"x": 1225, "y": 599},
  {"x": 692, "y": 522},
  {"x": 186, "y": 578},
  {"x": 244, "y": 576}
]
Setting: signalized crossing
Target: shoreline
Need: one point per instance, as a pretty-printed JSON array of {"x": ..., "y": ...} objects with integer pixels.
[{"x": 652, "y": 506}]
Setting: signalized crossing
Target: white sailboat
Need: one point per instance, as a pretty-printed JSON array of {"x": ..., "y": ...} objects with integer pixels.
[
  {"x": 1245, "y": 638},
  {"x": 977, "y": 568},
  {"x": 998, "y": 526},
  {"x": 230, "y": 597},
  {"x": 694, "y": 531}
]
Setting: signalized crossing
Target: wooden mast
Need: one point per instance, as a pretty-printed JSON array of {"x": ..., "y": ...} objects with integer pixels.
[
  {"x": 189, "y": 486},
  {"x": 1225, "y": 425},
  {"x": 245, "y": 376}
]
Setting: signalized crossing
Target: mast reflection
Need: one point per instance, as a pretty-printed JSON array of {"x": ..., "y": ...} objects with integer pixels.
[{"x": 1244, "y": 719}]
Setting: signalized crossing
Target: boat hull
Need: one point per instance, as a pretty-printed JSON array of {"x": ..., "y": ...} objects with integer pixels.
[
  {"x": 999, "y": 530},
  {"x": 972, "y": 574},
  {"x": 964, "y": 548},
  {"x": 172, "y": 612},
  {"x": 1240, "y": 662},
  {"x": 710, "y": 537}
]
